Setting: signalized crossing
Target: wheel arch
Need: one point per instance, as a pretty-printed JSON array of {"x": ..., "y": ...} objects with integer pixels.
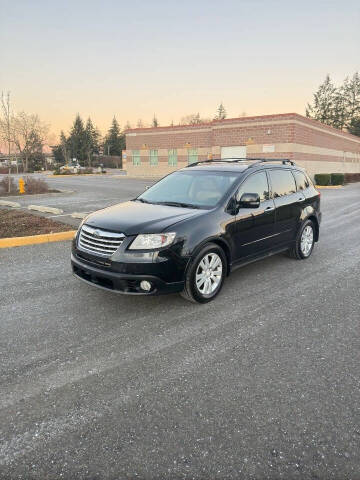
[
  {"x": 220, "y": 243},
  {"x": 315, "y": 221}
]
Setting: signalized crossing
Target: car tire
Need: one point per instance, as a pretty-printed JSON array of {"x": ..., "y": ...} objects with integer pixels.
[
  {"x": 205, "y": 274},
  {"x": 304, "y": 243}
]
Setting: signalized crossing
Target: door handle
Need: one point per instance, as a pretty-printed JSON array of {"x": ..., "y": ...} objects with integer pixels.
[
  {"x": 301, "y": 199},
  {"x": 269, "y": 209}
]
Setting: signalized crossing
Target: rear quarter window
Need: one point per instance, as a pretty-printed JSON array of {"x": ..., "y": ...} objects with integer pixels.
[
  {"x": 282, "y": 183},
  {"x": 302, "y": 181}
]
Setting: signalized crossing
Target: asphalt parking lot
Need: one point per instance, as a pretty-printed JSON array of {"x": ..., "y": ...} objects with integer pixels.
[
  {"x": 84, "y": 194},
  {"x": 264, "y": 382}
]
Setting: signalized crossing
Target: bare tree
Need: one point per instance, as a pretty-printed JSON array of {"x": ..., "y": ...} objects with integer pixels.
[
  {"x": 6, "y": 127},
  {"x": 193, "y": 119},
  {"x": 29, "y": 135}
]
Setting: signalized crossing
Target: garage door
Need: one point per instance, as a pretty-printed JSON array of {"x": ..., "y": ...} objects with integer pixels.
[{"x": 236, "y": 151}]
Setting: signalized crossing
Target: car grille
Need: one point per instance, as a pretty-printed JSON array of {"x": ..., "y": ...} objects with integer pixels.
[{"x": 99, "y": 241}]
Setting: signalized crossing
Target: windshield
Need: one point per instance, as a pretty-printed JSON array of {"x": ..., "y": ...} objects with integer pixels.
[{"x": 190, "y": 188}]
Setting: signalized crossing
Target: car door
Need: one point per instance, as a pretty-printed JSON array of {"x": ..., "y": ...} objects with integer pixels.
[
  {"x": 254, "y": 226},
  {"x": 288, "y": 204}
]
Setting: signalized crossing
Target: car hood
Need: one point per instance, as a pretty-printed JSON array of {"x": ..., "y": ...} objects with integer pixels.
[{"x": 132, "y": 218}]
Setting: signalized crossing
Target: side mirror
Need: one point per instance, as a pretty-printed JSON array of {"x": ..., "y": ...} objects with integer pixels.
[{"x": 249, "y": 200}]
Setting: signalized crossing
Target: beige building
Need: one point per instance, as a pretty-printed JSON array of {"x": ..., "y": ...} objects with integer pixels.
[{"x": 313, "y": 145}]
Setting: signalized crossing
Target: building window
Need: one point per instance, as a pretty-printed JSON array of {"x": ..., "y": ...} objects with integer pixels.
[
  {"x": 192, "y": 155},
  {"x": 172, "y": 157},
  {"x": 136, "y": 157},
  {"x": 153, "y": 157}
]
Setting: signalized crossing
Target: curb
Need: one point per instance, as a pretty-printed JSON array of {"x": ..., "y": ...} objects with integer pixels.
[
  {"x": 79, "y": 175},
  {"x": 34, "y": 239},
  {"x": 40, "y": 195},
  {"x": 80, "y": 215},
  {"x": 40, "y": 208},
  {"x": 329, "y": 186},
  {"x": 7, "y": 203}
]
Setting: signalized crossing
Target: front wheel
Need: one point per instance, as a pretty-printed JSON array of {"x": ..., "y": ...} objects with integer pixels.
[
  {"x": 305, "y": 240},
  {"x": 205, "y": 275}
]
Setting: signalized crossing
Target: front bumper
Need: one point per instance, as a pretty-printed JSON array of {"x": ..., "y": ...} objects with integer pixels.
[{"x": 123, "y": 283}]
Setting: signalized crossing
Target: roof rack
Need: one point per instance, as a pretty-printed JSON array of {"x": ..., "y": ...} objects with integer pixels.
[{"x": 284, "y": 161}]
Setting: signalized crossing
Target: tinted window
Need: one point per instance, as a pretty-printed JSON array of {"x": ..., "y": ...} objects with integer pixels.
[
  {"x": 282, "y": 182},
  {"x": 301, "y": 181},
  {"x": 256, "y": 183},
  {"x": 202, "y": 189}
]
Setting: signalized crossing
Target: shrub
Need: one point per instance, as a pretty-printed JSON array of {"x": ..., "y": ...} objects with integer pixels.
[
  {"x": 35, "y": 185},
  {"x": 322, "y": 179},
  {"x": 337, "y": 178},
  {"x": 352, "y": 177},
  {"x": 4, "y": 185}
]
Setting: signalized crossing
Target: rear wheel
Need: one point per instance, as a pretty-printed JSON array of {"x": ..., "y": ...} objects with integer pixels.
[
  {"x": 304, "y": 243},
  {"x": 205, "y": 275}
]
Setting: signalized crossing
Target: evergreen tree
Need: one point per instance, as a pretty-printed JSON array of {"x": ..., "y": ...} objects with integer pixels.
[
  {"x": 115, "y": 140},
  {"x": 154, "y": 122},
  {"x": 354, "y": 126},
  {"x": 64, "y": 144},
  {"x": 220, "y": 113},
  {"x": 351, "y": 92},
  {"x": 77, "y": 140},
  {"x": 327, "y": 106},
  {"x": 338, "y": 107},
  {"x": 91, "y": 140}
]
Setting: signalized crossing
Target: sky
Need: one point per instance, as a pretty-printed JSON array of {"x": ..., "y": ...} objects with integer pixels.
[{"x": 133, "y": 59}]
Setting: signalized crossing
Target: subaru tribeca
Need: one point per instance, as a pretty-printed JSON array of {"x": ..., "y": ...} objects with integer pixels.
[{"x": 189, "y": 230}]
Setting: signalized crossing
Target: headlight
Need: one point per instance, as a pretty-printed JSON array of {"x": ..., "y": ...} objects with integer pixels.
[{"x": 152, "y": 240}]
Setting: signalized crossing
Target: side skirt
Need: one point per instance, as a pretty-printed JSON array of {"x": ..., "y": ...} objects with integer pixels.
[{"x": 246, "y": 261}]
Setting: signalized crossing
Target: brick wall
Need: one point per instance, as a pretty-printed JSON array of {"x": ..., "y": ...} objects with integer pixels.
[{"x": 292, "y": 135}]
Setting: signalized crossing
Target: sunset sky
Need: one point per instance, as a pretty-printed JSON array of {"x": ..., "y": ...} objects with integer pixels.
[{"x": 135, "y": 58}]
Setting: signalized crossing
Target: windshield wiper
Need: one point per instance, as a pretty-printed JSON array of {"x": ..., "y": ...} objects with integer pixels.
[
  {"x": 178, "y": 204},
  {"x": 141, "y": 200}
]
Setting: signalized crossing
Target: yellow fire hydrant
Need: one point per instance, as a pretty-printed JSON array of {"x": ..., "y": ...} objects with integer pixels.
[{"x": 21, "y": 185}]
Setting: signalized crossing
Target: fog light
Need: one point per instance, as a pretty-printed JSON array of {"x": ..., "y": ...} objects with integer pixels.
[{"x": 145, "y": 285}]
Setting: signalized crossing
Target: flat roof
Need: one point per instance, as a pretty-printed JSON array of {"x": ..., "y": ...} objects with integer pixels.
[{"x": 258, "y": 120}]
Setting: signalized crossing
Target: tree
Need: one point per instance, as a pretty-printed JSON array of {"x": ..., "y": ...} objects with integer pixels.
[
  {"x": 29, "y": 135},
  {"x": 154, "y": 122},
  {"x": 337, "y": 106},
  {"x": 325, "y": 104},
  {"x": 140, "y": 123},
  {"x": 351, "y": 93},
  {"x": 92, "y": 137},
  {"x": 220, "y": 113},
  {"x": 77, "y": 140},
  {"x": 64, "y": 147},
  {"x": 114, "y": 140},
  {"x": 193, "y": 119},
  {"x": 6, "y": 127},
  {"x": 354, "y": 126}
]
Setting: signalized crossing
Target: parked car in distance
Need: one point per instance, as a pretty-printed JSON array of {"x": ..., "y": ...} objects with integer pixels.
[{"x": 188, "y": 231}]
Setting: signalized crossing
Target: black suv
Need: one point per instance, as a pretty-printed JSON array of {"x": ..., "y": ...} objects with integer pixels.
[{"x": 188, "y": 231}]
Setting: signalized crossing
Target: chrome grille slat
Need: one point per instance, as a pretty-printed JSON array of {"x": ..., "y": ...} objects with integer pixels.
[
  {"x": 99, "y": 241},
  {"x": 94, "y": 245},
  {"x": 104, "y": 233},
  {"x": 86, "y": 235}
]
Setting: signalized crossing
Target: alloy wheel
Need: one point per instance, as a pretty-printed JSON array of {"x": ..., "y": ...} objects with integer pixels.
[
  {"x": 209, "y": 273},
  {"x": 307, "y": 240}
]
